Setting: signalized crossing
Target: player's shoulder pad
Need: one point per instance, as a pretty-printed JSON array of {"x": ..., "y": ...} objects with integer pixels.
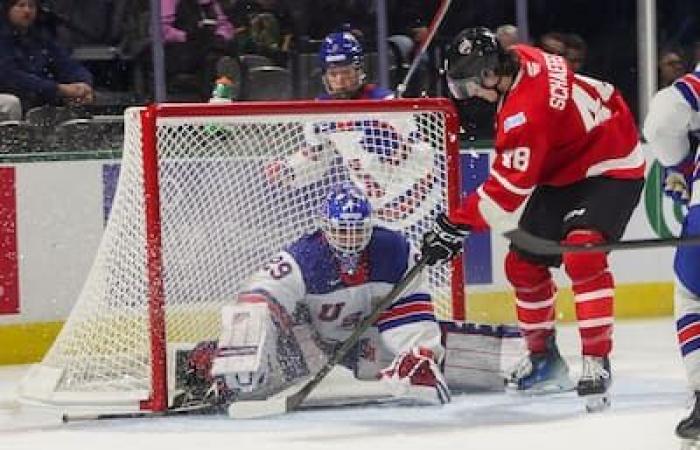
[
  {"x": 388, "y": 255},
  {"x": 315, "y": 260},
  {"x": 689, "y": 87}
]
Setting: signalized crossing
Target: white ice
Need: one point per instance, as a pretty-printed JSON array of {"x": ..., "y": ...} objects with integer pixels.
[{"x": 648, "y": 398}]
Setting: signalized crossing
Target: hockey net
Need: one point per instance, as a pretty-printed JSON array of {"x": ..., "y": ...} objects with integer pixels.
[{"x": 206, "y": 194}]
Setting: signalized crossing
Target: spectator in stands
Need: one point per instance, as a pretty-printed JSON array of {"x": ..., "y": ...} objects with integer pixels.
[
  {"x": 263, "y": 27},
  {"x": 553, "y": 42},
  {"x": 672, "y": 65},
  {"x": 507, "y": 35},
  {"x": 575, "y": 51},
  {"x": 36, "y": 69},
  {"x": 10, "y": 107},
  {"x": 197, "y": 34},
  {"x": 324, "y": 17}
]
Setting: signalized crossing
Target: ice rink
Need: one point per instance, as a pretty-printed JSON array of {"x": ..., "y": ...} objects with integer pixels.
[{"x": 648, "y": 399}]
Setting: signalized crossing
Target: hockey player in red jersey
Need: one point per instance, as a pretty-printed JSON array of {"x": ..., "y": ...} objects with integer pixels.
[{"x": 568, "y": 145}]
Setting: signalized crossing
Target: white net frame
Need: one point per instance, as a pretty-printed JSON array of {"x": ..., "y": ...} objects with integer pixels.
[{"x": 206, "y": 194}]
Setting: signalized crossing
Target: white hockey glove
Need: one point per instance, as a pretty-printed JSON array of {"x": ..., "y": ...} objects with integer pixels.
[
  {"x": 247, "y": 347},
  {"x": 444, "y": 241},
  {"x": 415, "y": 375}
]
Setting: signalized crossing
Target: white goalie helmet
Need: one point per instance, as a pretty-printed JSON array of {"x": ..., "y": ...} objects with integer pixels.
[{"x": 346, "y": 220}]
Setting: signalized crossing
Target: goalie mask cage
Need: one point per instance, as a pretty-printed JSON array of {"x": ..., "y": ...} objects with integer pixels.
[{"x": 206, "y": 194}]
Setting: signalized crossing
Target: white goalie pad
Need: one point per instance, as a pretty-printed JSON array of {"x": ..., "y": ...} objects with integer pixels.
[{"x": 478, "y": 356}]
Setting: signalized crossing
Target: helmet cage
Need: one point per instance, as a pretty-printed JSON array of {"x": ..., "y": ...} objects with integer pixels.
[{"x": 346, "y": 221}]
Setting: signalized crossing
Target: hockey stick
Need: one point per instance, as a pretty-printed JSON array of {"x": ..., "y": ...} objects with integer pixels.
[
  {"x": 291, "y": 399},
  {"x": 534, "y": 244},
  {"x": 182, "y": 410},
  {"x": 432, "y": 29}
]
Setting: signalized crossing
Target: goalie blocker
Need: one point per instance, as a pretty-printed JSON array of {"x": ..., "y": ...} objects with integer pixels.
[{"x": 477, "y": 357}]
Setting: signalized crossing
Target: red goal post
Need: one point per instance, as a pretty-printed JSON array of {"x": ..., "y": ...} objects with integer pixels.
[{"x": 208, "y": 192}]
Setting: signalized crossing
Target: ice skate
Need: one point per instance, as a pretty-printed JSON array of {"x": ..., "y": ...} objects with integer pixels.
[
  {"x": 594, "y": 383},
  {"x": 688, "y": 429},
  {"x": 541, "y": 373}
]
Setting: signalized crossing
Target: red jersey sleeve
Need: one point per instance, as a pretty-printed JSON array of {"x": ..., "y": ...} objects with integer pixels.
[{"x": 513, "y": 176}]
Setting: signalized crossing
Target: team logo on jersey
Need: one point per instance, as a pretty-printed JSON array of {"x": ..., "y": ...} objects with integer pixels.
[
  {"x": 514, "y": 121},
  {"x": 574, "y": 213},
  {"x": 533, "y": 69}
]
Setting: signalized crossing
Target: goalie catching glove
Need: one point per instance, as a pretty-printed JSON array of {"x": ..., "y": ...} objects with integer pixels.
[
  {"x": 415, "y": 375},
  {"x": 200, "y": 387},
  {"x": 444, "y": 241}
]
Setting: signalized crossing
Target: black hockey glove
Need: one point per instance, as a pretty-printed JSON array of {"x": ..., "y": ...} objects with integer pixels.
[
  {"x": 444, "y": 241},
  {"x": 199, "y": 386}
]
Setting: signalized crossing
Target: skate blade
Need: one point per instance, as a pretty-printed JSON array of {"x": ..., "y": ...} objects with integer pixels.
[
  {"x": 597, "y": 402},
  {"x": 541, "y": 389}
]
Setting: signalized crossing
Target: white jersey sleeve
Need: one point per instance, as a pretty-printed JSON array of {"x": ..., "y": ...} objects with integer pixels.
[
  {"x": 410, "y": 321},
  {"x": 666, "y": 127},
  {"x": 280, "y": 281}
]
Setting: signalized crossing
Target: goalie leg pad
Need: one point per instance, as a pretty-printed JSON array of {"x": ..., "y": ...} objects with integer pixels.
[{"x": 415, "y": 374}]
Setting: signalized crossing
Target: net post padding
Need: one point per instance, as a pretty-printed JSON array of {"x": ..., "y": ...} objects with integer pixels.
[{"x": 197, "y": 211}]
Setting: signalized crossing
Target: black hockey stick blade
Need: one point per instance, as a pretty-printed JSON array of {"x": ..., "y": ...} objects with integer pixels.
[
  {"x": 203, "y": 408},
  {"x": 534, "y": 244},
  {"x": 292, "y": 398}
]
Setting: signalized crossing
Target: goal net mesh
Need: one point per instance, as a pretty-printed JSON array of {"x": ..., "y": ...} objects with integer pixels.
[{"x": 234, "y": 189}]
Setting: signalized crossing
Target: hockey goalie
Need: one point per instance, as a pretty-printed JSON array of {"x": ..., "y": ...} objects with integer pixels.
[{"x": 298, "y": 308}]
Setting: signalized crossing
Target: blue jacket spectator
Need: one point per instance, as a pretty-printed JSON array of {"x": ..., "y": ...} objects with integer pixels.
[{"x": 35, "y": 68}]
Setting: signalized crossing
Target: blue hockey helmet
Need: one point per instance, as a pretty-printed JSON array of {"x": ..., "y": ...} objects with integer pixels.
[
  {"x": 346, "y": 219},
  {"x": 341, "y": 54}
]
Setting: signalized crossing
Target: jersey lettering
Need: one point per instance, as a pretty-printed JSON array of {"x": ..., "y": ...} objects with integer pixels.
[
  {"x": 518, "y": 158},
  {"x": 278, "y": 268},
  {"x": 592, "y": 109}
]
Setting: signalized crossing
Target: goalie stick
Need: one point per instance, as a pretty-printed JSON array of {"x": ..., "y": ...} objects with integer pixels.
[
  {"x": 202, "y": 408},
  {"x": 291, "y": 398},
  {"x": 534, "y": 244}
]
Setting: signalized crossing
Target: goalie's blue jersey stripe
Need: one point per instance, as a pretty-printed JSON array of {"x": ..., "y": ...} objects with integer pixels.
[
  {"x": 687, "y": 320},
  {"x": 688, "y": 92},
  {"x": 690, "y": 346},
  {"x": 388, "y": 259},
  {"x": 411, "y": 299},
  {"x": 389, "y": 324}
]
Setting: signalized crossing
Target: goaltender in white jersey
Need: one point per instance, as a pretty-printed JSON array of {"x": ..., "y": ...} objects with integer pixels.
[{"x": 333, "y": 275}]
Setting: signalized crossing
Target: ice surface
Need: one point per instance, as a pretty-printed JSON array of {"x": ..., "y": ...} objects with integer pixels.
[{"x": 648, "y": 398}]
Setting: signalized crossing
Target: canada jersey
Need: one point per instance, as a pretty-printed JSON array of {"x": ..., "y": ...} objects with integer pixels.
[
  {"x": 553, "y": 128},
  {"x": 307, "y": 272},
  {"x": 367, "y": 92}
]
